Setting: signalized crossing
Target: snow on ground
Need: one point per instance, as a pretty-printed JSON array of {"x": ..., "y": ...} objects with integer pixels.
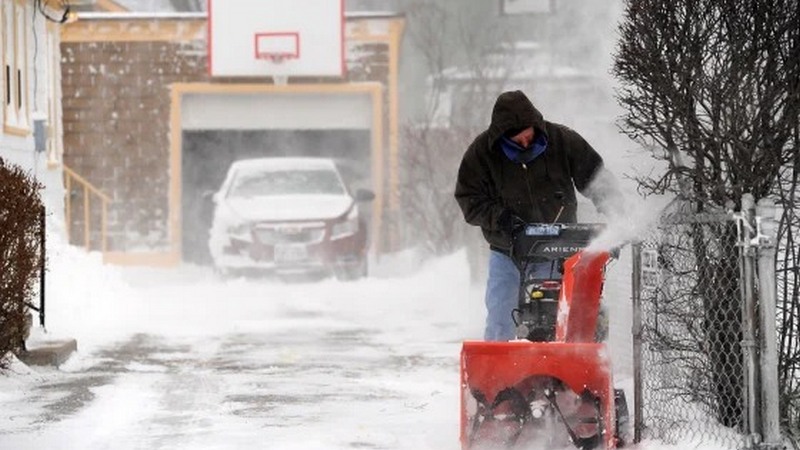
[{"x": 176, "y": 358}]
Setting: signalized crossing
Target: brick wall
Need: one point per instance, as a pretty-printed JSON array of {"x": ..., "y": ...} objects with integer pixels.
[{"x": 116, "y": 130}]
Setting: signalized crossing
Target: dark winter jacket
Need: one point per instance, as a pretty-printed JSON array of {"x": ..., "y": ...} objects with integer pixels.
[{"x": 489, "y": 182}]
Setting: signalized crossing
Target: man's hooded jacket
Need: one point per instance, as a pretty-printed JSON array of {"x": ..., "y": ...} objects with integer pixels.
[{"x": 541, "y": 190}]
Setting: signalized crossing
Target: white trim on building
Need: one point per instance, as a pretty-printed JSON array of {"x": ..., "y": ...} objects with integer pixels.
[{"x": 30, "y": 92}]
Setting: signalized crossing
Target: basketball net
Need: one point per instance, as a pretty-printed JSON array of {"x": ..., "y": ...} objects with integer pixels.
[{"x": 276, "y": 58}]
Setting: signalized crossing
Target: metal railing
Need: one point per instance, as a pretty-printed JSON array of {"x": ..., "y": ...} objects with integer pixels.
[
  {"x": 88, "y": 190},
  {"x": 42, "y": 236}
]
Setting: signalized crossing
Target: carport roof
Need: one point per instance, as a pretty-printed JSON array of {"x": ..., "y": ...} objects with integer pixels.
[
  {"x": 354, "y": 10},
  {"x": 161, "y": 5}
]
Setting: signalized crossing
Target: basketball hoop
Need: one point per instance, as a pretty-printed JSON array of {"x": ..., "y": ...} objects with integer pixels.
[
  {"x": 275, "y": 58},
  {"x": 276, "y": 48}
]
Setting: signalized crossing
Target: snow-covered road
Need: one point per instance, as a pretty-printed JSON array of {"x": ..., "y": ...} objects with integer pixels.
[
  {"x": 188, "y": 361},
  {"x": 178, "y": 359}
]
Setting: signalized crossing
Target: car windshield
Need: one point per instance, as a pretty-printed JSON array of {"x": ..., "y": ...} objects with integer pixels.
[{"x": 289, "y": 182}]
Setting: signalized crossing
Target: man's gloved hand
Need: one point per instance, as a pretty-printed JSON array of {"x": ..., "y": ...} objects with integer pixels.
[
  {"x": 510, "y": 222},
  {"x": 512, "y": 225}
]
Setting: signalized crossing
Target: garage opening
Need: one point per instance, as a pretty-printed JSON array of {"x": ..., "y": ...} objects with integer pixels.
[
  {"x": 207, "y": 154},
  {"x": 230, "y": 122}
]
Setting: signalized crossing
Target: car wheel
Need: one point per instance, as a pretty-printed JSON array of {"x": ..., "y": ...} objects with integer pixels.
[
  {"x": 352, "y": 273},
  {"x": 225, "y": 273}
]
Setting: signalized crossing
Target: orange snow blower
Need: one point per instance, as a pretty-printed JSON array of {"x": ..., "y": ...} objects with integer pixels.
[{"x": 552, "y": 387}]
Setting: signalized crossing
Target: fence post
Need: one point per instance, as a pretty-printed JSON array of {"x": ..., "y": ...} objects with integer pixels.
[
  {"x": 636, "y": 330},
  {"x": 767, "y": 228},
  {"x": 749, "y": 319}
]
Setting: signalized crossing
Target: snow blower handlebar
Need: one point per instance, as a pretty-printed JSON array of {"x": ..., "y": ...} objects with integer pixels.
[
  {"x": 541, "y": 253},
  {"x": 547, "y": 242}
]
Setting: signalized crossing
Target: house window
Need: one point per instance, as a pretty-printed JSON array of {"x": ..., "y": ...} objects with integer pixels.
[{"x": 14, "y": 31}]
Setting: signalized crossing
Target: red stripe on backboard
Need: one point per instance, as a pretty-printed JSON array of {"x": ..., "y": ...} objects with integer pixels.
[{"x": 292, "y": 34}]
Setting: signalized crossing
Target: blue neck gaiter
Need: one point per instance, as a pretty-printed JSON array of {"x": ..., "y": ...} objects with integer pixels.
[{"x": 517, "y": 154}]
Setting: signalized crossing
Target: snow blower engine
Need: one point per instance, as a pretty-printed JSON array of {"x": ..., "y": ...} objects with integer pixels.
[{"x": 551, "y": 387}]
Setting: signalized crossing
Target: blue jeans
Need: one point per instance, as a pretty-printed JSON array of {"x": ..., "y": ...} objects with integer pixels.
[{"x": 502, "y": 294}]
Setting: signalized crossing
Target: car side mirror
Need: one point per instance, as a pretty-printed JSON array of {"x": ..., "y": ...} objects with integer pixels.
[
  {"x": 210, "y": 195},
  {"x": 364, "y": 195}
]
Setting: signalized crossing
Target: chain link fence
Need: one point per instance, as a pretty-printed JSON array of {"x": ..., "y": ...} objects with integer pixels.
[{"x": 692, "y": 371}]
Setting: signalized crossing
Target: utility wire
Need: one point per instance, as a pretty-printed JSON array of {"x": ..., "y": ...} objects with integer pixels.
[{"x": 64, "y": 17}]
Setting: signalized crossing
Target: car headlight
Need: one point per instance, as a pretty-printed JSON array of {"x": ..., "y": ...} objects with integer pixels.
[
  {"x": 346, "y": 228},
  {"x": 239, "y": 230}
]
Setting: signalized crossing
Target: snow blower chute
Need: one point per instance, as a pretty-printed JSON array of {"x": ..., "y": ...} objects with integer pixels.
[{"x": 552, "y": 386}]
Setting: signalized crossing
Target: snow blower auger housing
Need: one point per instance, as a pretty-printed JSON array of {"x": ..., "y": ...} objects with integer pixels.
[{"x": 552, "y": 387}]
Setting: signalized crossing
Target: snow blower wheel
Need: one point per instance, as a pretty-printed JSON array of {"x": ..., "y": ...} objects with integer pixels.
[{"x": 538, "y": 411}]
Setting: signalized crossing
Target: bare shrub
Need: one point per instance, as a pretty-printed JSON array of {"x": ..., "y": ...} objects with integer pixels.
[
  {"x": 20, "y": 209},
  {"x": 711, "y": 88}
]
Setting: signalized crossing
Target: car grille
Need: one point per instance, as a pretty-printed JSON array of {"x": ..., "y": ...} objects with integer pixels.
[{"x": 300, "y": 234}]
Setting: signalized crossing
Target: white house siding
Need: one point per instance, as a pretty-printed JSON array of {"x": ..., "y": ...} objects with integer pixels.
[{"x": 20, "y": 150}]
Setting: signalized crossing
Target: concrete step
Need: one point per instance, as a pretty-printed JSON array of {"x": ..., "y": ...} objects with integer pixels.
[{"x": 48, "y": 352}]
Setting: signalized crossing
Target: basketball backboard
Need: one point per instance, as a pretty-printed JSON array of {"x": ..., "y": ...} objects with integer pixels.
[{"x": 279, "y": 38}]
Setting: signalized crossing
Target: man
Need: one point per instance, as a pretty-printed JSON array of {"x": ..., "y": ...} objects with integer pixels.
[{"x": 524, "y": 169}]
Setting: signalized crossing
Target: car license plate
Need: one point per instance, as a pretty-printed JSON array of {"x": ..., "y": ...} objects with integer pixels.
[{"x": 289, "y": 253}]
